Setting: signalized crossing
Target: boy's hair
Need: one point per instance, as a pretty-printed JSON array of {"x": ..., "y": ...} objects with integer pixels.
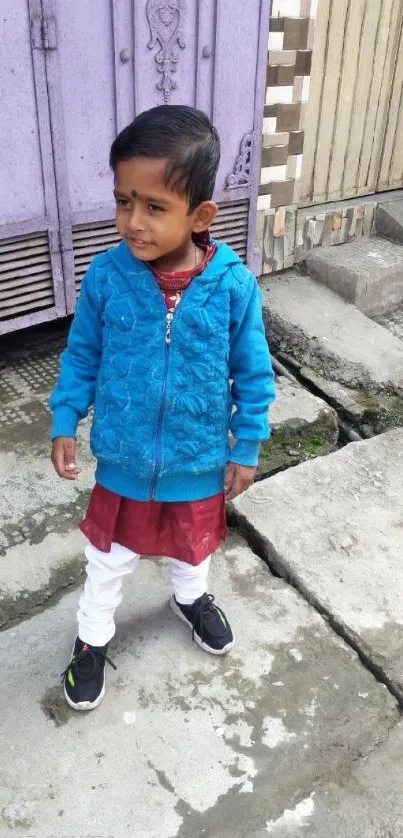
[{"x": 182, "y": 135}]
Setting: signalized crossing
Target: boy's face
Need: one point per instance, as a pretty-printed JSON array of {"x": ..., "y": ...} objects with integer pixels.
[{"x": 151, "y": 218}]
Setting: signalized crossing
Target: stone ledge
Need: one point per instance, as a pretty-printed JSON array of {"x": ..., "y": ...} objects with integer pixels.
[
  {"x": 367, "y": 273},
  {"x": 318, "y": 331}
]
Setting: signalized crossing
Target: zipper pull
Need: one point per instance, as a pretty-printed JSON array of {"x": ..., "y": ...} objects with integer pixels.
[{"x": 169, "y": 319}]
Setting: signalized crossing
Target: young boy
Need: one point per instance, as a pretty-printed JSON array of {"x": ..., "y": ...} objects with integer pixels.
[{"x": 168, "y": 345}]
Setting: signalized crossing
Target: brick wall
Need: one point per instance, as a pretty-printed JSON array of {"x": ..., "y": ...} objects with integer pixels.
[{"x": 290, "y": 46}]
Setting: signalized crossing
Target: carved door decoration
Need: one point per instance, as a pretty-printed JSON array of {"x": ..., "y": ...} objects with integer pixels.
[
  {"x": 240, "y": 176},
  {"x": 166, "y": 21}
]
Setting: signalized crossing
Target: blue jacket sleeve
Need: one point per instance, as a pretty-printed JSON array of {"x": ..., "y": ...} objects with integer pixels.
[
  {"x": 252, "y": 377},
  {"x": 75, "y": 388}
]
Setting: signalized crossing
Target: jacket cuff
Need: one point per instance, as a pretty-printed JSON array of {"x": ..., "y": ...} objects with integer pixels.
[
  {"x": 64, "y": 421},
  {"x": 246, "y": 452}
]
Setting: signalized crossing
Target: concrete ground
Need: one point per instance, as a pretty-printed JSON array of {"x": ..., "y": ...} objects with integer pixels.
[
  {"x": 296, "y": 733},
  {"x": 187, "y": 745},
  {"x": 37, "y": 510}
]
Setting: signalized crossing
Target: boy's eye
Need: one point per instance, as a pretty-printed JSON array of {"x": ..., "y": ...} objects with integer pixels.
[
  {"x": 155, "y": 208},
  {"x": 121, "y": 202}
]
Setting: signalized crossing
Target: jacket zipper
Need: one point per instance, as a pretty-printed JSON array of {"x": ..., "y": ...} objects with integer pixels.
[{"x": 168, "y": 326}]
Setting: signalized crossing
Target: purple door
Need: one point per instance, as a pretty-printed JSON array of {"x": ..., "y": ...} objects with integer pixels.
[
  {"x": 105, "y": 61},
  {"x": 31, "y": 281}
]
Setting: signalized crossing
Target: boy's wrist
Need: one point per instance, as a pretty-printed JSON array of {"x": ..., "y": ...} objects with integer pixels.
[
  {"x": 64, "y": 422},
  {"x": 246, "y": 452}
]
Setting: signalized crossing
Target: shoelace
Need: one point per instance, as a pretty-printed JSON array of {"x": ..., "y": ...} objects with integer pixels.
[
  {"x": 206, "y": 610},
  {"x": 86, "y": 663}
]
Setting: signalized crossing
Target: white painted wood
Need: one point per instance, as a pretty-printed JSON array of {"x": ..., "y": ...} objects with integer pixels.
[
  {"x": 313, "y": 108},
  {"x": 353, "y": 142},
  {"x": 346, "y": 99}
]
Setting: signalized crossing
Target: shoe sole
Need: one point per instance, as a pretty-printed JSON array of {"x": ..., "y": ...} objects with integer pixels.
[
  {"x": 198, "y": 639},
  {"x": 83, "y": 705}
]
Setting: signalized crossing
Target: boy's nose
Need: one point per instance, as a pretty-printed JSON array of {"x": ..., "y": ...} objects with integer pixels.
[{"x": 136, "y": 220}]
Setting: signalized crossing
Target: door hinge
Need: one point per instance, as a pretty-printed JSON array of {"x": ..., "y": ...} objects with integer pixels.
[{"x": 43, "y": 32}]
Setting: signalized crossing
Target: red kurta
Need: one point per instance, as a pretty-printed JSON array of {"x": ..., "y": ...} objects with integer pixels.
[{"x": 185, "y": 530}]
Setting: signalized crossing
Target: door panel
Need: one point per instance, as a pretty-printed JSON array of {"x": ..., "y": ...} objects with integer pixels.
[
  {"x": 31, "y": 282},
  {"x": 142, "y": 54},
  {"x": 21, "y": 179},
  {"x": 85, "y": 55},
  {"x": 236, "y": 50},
  {"x": 72, "y": 75}
]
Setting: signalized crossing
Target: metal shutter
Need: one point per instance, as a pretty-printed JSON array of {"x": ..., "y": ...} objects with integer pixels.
[
  {"x": 231, "y": 226},
  {"x": 25, "y": 276}
]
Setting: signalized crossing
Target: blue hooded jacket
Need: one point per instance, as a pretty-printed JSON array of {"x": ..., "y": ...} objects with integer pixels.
[{"x": 166, "y": 387}]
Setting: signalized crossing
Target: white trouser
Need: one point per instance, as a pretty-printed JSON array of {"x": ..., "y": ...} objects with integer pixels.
[{"x": 102, "y": 590}]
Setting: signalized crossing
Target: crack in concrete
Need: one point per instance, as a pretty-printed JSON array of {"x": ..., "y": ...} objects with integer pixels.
[
  {"x": 266, "y": 551},
  {"x": 379, "y": 742},
  {"x": 15, "y": 610}
]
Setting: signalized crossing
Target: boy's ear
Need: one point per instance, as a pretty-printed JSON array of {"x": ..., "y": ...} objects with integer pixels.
[{"x": 204, "y": 216}]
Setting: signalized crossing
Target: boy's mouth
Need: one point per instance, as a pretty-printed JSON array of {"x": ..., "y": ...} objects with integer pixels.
[{"x": 139, "y": 243}]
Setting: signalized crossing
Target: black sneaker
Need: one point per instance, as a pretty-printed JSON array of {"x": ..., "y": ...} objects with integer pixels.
[
  {"x": 210, "y": 627},
  {"x": 84, "y": 678}
]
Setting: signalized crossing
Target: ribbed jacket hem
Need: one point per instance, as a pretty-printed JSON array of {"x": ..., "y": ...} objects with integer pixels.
[{"x": 180, "y": 487}]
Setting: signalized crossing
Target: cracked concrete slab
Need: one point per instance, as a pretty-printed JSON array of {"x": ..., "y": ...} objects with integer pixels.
[
  {"x": 334, "y": 527},
  {"x": 372, "y": 414},
  {"x": 368, "y": 804},
  {"x": 37, "y": 512},
  {"x": 37, "y": 509},
  {"x": 185, "y": 744},
  {"x": 302, "y": 426}
]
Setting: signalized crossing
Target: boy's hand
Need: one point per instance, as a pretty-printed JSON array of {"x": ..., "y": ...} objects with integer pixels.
[
  {"x": 64, "y": 457},
  {"x": 238, "y": 479}
]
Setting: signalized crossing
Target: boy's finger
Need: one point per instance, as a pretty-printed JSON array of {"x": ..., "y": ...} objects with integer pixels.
[
  {"x": 70, "y": 465},
  {"x": 71, "y": 471},
  {"x": 229, "y": 477},
  {"x": 235, "y": 489},
  {"x": 239, "y": 485},
  {"x": 69, "y": 450},
  {"x": 59, "y": 464},
  {"x": 63, "y": 459}
]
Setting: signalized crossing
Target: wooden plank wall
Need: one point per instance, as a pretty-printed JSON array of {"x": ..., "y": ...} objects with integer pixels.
[{"x": 353, "y": 141}]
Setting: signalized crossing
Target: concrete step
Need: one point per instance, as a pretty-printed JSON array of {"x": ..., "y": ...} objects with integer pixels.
[
  {"x": 303, "y": 426},
  {"x": 389, "y": 220},
  {"x": 333, "y": 527},
  {"x": 321, "y": 332},
  {"x": 366, "y": 272}
]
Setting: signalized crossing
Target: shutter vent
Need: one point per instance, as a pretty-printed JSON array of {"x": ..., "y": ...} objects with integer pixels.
[
  {"x": 87, "y": 242},
  {"x": 25, "y": 276},
  {"x": 231, "y": 226}
]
